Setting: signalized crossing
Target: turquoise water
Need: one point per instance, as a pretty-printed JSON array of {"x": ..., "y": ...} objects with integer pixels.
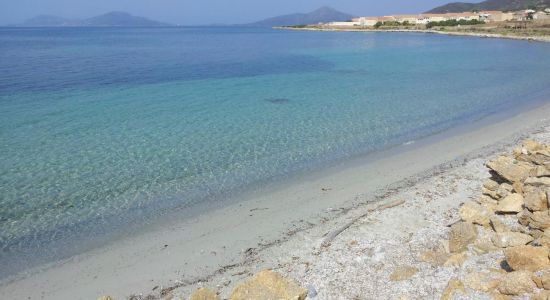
[{"x": 102, "y": 128}]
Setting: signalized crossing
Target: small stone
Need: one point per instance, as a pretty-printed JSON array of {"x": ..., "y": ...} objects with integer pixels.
[
  {"x": 484, "y": 245},
  {"x": 512, "y": 203},
  {"x": 516, "y": 283},
  {"x": 403, "y": 273},
  {"x": 491, "y": 185},
  {"x": 524, "y": 217},
  {"x": 435, "y": 258},
  {"x": 535, "y": 200},
  {"x": 510, "y": 239},
  {"x": 452, "y": 286},
  {"x": 311, "y": 291},
  {"x": 527, "y": 258},
  {"x": 538, "y": 181},
  {"x": 509, "y": 169},
  {"x": 482, "y": 281},
  {"x": 539, "y": 220},
  {"x": 462, "y": 234},
  {"x": 488, "y": 202},
  {"x": 539, "y": 171},
  {"x": 518, "y": 187},
  {"x": 497, "y": 225},
  {"x": 204, "y": 294},
  {"x": 472, "y": 212},
  {"x": 504, "y": 190},
  {"x": 268, "y": 285},
  {"x": 456, "y": 260}
]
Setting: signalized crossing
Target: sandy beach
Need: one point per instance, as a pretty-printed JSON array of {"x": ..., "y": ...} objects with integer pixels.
[{"x": 282, "y": 226}]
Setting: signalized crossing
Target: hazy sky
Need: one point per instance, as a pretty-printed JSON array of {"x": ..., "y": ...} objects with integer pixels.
[{"x": 197, "y": 12}]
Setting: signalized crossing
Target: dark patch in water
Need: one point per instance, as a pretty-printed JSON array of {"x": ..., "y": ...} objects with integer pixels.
[{"x": 278, "y": 100}]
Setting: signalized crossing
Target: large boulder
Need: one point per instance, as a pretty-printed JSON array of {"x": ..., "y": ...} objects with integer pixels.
[
  {"x": 204, "y": 294},
  {"x": 461, "y": 235},
  {"x": 513, "y": 203},
  {"x": 268, "y": 285},
  {"x": 539, "y": 220},
  {"x": 510, "y": 239},
  {"x": 509, "y": 169},
  {"x": 473, "y": 212},
  {"x": 527, "y": 258},
  {"x": 516, "y": 283}
]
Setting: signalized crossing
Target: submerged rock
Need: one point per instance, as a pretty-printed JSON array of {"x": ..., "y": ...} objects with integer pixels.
[{"x": 278, "y": 100}]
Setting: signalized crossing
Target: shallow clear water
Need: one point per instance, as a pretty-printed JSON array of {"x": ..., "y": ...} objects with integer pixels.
[{"x": 100, "y": 128}]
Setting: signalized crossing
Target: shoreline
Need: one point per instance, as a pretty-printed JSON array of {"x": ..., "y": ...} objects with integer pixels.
[
  {"x": 452, "y": 33},
  {"x": 183, "y": 253}
]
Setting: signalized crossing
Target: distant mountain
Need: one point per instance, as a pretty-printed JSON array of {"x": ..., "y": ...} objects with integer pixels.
[
  {"x": 321, "y": 15},
  {"x": 504, "y": 5},
  {"x": 111, "y": 19}
]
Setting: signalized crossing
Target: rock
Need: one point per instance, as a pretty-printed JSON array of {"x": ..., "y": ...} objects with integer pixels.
[
  {"x": 204, "y": 294},
  {"x": 403, "y": 273},
  {"x": 510, "y": 239},
  {"x": 499, "y": 296},
  {"x": 491, "y": 185},
  {"x": 542, "y": 241},
  {"x": 452, "y": 286},
  {"x": 542, "y": 280},
  {"x": 435, "y": 258},
  {"x": 527, "y": 258},
  {"x": 539, "y": 220},
  {"x": 542, "y": 295},
  {"x": 472, "y": 212},
  {"x": 516, "y": 283},
  {"x": 509, "y": 169},
  {"x": 268, "y": 285},
  {"x": 538, "y": 181},
  {"x": 518, "y": 187},
  {"x": 512, "y": 203},
  {"x": 539, "y": 171},
  {"x": 497, "y": 225},
  {"x": 456, "y": 260},
  {"x": 535, "y": 200},
  {"x": 484, "y": 245},
  {"x": 524, "y": 217},
  {"x": 504, "y": 190},
  {"x": 462, "y": 234},
  {"x": 492, "y": 194},
  {"x": 482, "y": 281}
]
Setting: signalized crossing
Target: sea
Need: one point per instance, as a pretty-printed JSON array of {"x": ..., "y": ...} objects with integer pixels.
[{"x": 104, "y": 129}]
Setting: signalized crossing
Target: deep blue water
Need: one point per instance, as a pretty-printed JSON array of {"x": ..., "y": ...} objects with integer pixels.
[{"x": 100, "y": 128}]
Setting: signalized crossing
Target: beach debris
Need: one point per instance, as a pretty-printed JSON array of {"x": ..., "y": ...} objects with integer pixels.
[
  {"x": 204, "y": 294},
  {"x": 268, "y": 284},
  {"x": 331, "y": 235},
  {"x": 403, "y": 273}
]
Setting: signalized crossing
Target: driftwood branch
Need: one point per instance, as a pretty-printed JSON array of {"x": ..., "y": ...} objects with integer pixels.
[{"x": 333, "y": 234}]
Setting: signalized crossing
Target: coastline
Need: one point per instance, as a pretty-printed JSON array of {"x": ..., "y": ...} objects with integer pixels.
[
  {"x": 453, "y": 33},
  {"x": 231, "y": 240}
]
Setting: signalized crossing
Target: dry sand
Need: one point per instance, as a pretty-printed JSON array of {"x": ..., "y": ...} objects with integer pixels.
[{"x": 282, "y": 227}]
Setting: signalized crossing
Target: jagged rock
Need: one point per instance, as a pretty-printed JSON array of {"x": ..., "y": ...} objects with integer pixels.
[
  {"x": 542, "y": 280},
  {"x": 542, "y": 295},
  {"x": 536, "y": 233},
  {"x": 527, "y": 258},
  {"x": 512, "y": 203},
  {"x": 518, "y": 187},
  {"x": 539, "y": 171},
  {"x": 499, "y": 296},
  {"x": 510, "y": 239},
  {"x": 204, "y": 294},
  {"x": 531, "y": 145},
  {"x": 497, "y": 224},
  {"x": 504, "y": 190},
  {"x": 488, "y": 202},
  {"x": 472, "y": 212},
  {"x": 456, "y": 260},
  {"x": 482, "y": 281},
  {"x": 524, "y": 217},
  {"x": 268, "y": 285},
  {"x": 403, "y": 273},
  {"x": 452, "y": 286},
  {"x": 484, "y": 245},
  {"x": 535, "y": 199},
  {"x": 516, "y": 283},
  {"x": 542, "y": 241},
  {"x": 490, "y": 185},
  {"x": 462, "y": 234},
  {"x": 509, "y": 169},
  {"x": 492, "y": 194},
  {"x": 538, "y": 181},
  {"x": 539, "y": 220}
]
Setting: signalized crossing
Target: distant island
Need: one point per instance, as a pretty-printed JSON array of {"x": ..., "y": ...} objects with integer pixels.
[
  {"x": 111, "y": 19},
  {"x": 501, "y": 5},
  {"x": 321, "y": 15}
]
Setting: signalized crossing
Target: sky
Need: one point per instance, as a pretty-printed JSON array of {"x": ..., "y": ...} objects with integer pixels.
[{"x": 203, "y": 12}]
